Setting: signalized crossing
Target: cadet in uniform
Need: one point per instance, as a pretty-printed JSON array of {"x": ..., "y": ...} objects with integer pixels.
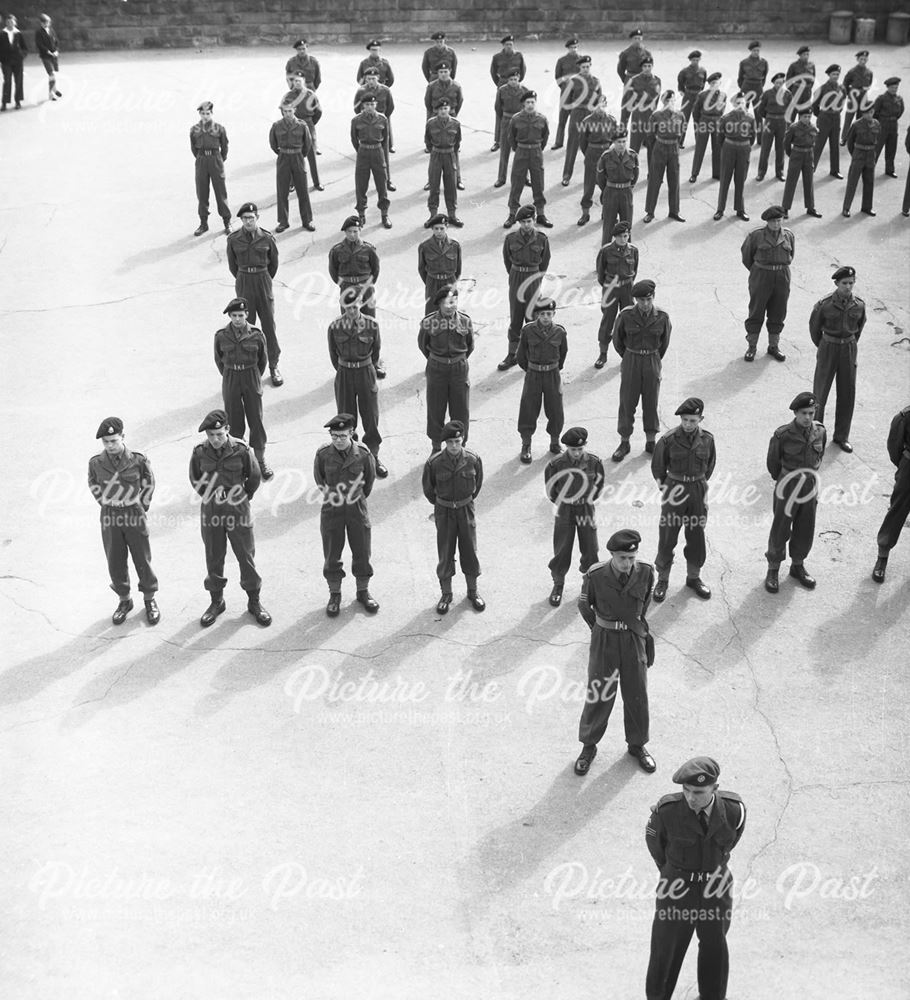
[
  {"x": 617, "y": 268},
  {"x": 690, "y": 82},
  {"x": 503, "y": 66},
  {"x": 385, "y": 105},
  {"x": 252, "y": 258},
  {"x": 710, "y": 106},
  {"x": 226, "y": 475},
  {"x": 771, "y": 110},
  {"x": 617, "y": 174},
  {"x": 375, "y": 60},
  {"x": 899, "y": 505},
  {"x": 767, "y": 255},
  {"x": 631, "y": 61},
  {"x": 737, "y": 130},
  {"x": 827, "y": 107},
  {"x": 438, "y": 260},
  {"x": 48, "y": 47},
  {"x": 801, "y": 80},
  {"x": 668, "y": 129},
  {"x": 442, "y": 137},
  {"x": 794, "y": 453},
  {"x": 352, "y": 262},
  {"x": 528, "y": 134},
  {"x": 753, "y": 71},
  {"x": 308, "y": 110},
  {"x": 541, "y": 355},
  {"x": 354, "y": 346},
  {"x": 573, "y": 481},
  {"x": 641, "y": 336},
  {"x": 443, "y": 87},
  {"x": 799, "y": 145},
  {"x": 290, "y": 141},
  {"x": 862, "y": 141},
  {"x": 566, "y": 67},
  {"x": 856, "y": 83},
  {"x": 241, "y": 357},
  {"x": 209, "y": 146},
  {"x": 446, "y": 340},
  {"x": 370, "y": 138},
  {"x": 345, "y": 471},
  {"x": 583, "y": 96},
  {"x": 436, "y": 54},
  {"x": 887, "y": 109},
  {"x": 642, "y": 96},
  {"x": 835, "y": 326},
  {"x": 122, "y": 483},
  {"x": 507, "y": 105},
  {"x": 595, "y": 136},
  {"x": 526, "y": 255},
  {"x": 452, "y": 478},
  {"x": 304, "y": 64},
  {"x": 614, "y": 600},
  {"x": 682, "y": 464},
  {"x": 690, "y": 835}
]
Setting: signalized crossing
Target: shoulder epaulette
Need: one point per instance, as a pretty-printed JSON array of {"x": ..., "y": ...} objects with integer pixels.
[
  {"x": 597, "y": 565},
  {"x": 779, "y": 433},
  {"x": 665, "y": 800}
]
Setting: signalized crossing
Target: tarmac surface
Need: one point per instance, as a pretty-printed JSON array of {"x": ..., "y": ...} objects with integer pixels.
[{"x": 384, "y": 807}]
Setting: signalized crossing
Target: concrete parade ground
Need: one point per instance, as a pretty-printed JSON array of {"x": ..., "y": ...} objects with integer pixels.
[{"x": 384, "y": 808}]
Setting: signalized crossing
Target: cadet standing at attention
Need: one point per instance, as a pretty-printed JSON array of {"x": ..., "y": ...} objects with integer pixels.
[
  {"x": 631, "y": 60},
  {"x": 899, "y": 505},
  {"x": 794, "y": 454},
  {"x": 767, "y": 255},
  {"x": 668, "y": 127},
  {"x": 753, "y": 71},
  {"x": 290, "y": 141},
  {"x": 617, "y": 268},
  {"x": 771, "y": 110},
  {"x": 209, "y": 146},
  {"x": 526, "y": 255},
  {"x": 385, "y": 105},
  {"x": 308, "y": 110},
  {"x": 862, "y": 142},
  {"x": 857, "y": 83},
  {"x": 614, "y": 600},
  {"x": 682, "y": 464},
  {"x": 506, "y": 63},
  {"x": 436, "y": 54},
  {"x": 799, "y": 145},
  {"x": 354, "y": 262},
  {"x": 375, "y": 60},
  {"x": 887, "y": 109},
  {"x": 345, "y": 472},
  {"x": 737, "y": 130},
  {"x": 370, "y": 139},
  {"x": 122, "y": 483},
  {"x": 252, "y": 258},
  {"x": 508, "y": 104},
  {"x": 565, "y": 69},
  {"x": 617, "y": 174},
  {"x": 442, "y": 137},
  {"x": 583, "y": 97},
  {"x": 528, "y": 134},
  {"x": 595, "y": 138},
  {"x": 452, "y": 479},
  {"x": 800, "y": 81},
  {"x": 305, "y": 64},
  {"x": 827, "y": 108},
  {"x": 541, "y": 356},
  {"x": 573, "y": 481},
  {"x": 226, "y": 475},
  {"x": 438, "y": 260},
  {"x": 710, "y": 107},
  {"x": 690, "y": 82}
]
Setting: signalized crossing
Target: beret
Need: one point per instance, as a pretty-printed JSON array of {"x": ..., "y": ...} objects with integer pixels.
[
  {"x": 454, "y": 428},
  {"x": 773, "y": 212},
  {"x": 643, "y": 288},
  {"x": 802, "y": 401},
  {"x": 528, "y": 94},
  {"x": 438, "y": 36},
  {"x": 373, "y": 43},
  {"x": 444, "y": 65},
  {"x": 695, "y": 54},
  {"x": 371, "y": 71},
  {"x": 754, "y": 45},
  {"x": 351, "y": 220},
  {"x": 892, "y": 80},
  {"x": 300, "y": 41},
  {"x": 368, "y": 98},
  {"x": 647, "y": 62},
  {"x": 341, "y": 422},
  {"x": 635, "y": 34},
  {"x": 583, "y": 61},
  {"x": 778, "y": 76},
  {"x": 544, "y": 305},
  {"x": 714, "y": 76},
  {"x": 739, "y": 96},
  {"x": 621, "y": 227},
  {"x": 802, "y": 49},
  {"x": 514, "y": 71},
  {"x": 668, "y": 95},
  {"x": 803, "y": 111},
  {"x": 214, "y": 421},
  {"x": 110, "y": 425},
  {"x": 626, "y": 540},
  {"x": 247, "y": 207},
  {"x": 444, "y": 293},
  {"x": 844, "y": 272},
  {"x": 692, "y": 407},
  {"x": 440, "y": 219},
  {"x": 234, "y": 306},
  {"x": 574, "y": 41},
  {"x": 206, "y": 106},
  {"x": 525, "y": 212},
  {"x": 506, "y": 38},
  {"x": 862, "y": 52},
  {"x": 833, "y": 68},
  {"x": 443, "y": 102},
  {"x": 621, "y": 133},
  {"x": 575, "y": 437},
  {"x": 697, "y": 771}
]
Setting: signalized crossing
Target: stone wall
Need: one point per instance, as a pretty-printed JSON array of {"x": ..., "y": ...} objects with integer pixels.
[{"x": 99, "y": 24}]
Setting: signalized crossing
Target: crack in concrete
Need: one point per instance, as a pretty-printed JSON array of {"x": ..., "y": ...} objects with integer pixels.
[
  {"x": 686, "y": 655},
  {"x": 109, "y": 302}
]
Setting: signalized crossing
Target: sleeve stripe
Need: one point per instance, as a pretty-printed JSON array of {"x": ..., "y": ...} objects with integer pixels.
[{"x": 742, "y": 816}]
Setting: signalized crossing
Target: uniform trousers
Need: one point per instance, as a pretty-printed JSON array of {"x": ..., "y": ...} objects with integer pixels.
[
  {"x": 898, "y": 509},
  {"x": 828, "y": 125},
  {"x": 734, "y": 166},
  {"x": 640, "y": 379},
  {"x": 795, "y": 502},
  {"x": 505, "y": 148},
  {"x": 370, "y": 162},
  {"x": 703, "y": 132},
  {"x": 618, "y": 297},
  {"x": 210, "y": 171},
  {"x": 617, "y": 207},
  {"x": 456, "y": 529},
  {"x": 291, "y": 168},
  {"x": 124, "y": 531},
  {"x": 572, "y": 519},
  {"x": 616, "y": 658},
  {"x": 448, "y": 387},
  {"x": 527, "y": 164},
  {"x": 802, "y": 162},
  {"x": 523, "y": 290},
  {"x": 357, "y": 390},
  {"x": 223, "y": 523},
  {"x": 665, "y": 158},
  {"x": 772, "y": 134},
  {"x": 682, "y": 507},
  {"x": 256, "y": 288},
  {"x": 861, "y": 166},
  {"x": 835, "y": 363},
  {"x": 442, "y": 166},
  {"x": 769, "y": 293},
  {"x": 349, "y": 520},
  {"x": 546, "y": 388},
  {"x": 242, "y": 395}
]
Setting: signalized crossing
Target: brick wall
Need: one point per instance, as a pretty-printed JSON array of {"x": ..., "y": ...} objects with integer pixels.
[{"x": 98, "y": 24}]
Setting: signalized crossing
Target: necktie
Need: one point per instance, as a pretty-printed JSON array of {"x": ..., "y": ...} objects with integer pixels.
[
  {"x": 703, "y": 820},
  {"x": 624, "y": 578}
]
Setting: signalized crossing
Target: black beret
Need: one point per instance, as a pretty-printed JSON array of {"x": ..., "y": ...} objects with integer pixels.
[
  {"x": 843, "y": 272},
  {"x": 635, "y": 34},
  {"x": 246, "y": 207},
  {"x": 368, "y": 98},
  {"x": 833, "y": 68},
  {"x": 695, "y": 54},
  {"x": 626, "y": 540},
  {"x": 739, "y": 96},
  {"x": 371, "y": 71},
  {"x": 110, "y": 425},
  {"x": 454, "y": 428},
  {"x": 571, "y": 41},
  {"x": 621, "y": 133},
  {"x": 438, "y": 36},
  {"x": 643, "y": 288},
  {"x": 803, "y": 111},
  {"x": 214, "y": 421},
  {"x": 692, "y": 407},
  {"x": 802, "y": 401},
  {"x": 341, "y": 422},
  {"x": 892, "y": 80},
  {"x": 351, "y": 220},
  {"x": 621, "y": 227},
  {"x": 714, "y": 76},
  {"x": 443, "y": 102},
  {"x": 697, "y": 771},
  {"x": 301, "y": 41},
  {"x": 668, "y": 95},
  {"x": 575, "y": 437},
  {"x": 373, "y": 43},
  {"x": 234, "y": 306},
  {"x": 583, "y": 61},
  {"x": 506, "y": 38},
  {"x": 527, "y": 95},
  {"x": 802, "y": 49},
  {"x": 773, "y": 212},
  {"x": 525, "y": 212},
  {"x": 778, "y": 76},
  {"x": 440, "y": 219},
  {"x": 443, "y": 65},
  {"x": 444, "y": 293},
  {"x": 544, "y": 305},
  {"x": 754, "y": 45},
  {"x": 862, "y": 52},
  {"x": 206, "y": 106},
  {"x": 647, "y": 62}
]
